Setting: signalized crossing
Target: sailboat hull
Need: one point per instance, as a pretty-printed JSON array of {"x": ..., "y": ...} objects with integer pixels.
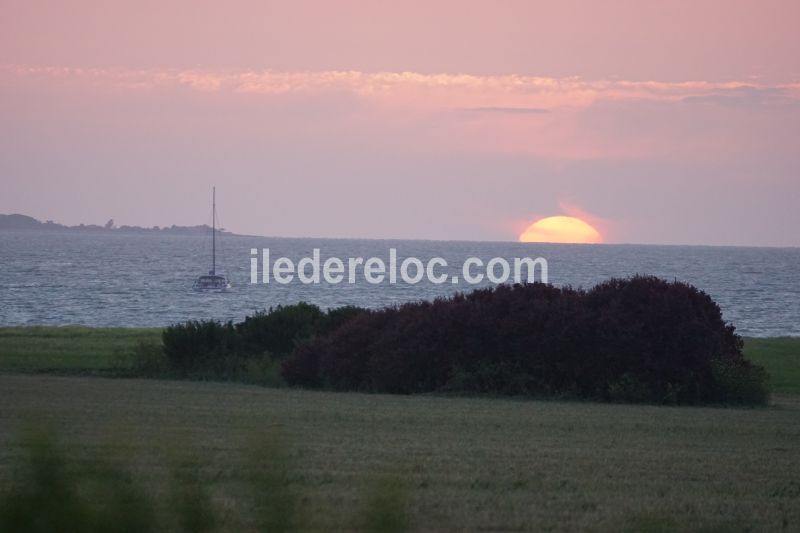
[{"x": 212, "y": 283}]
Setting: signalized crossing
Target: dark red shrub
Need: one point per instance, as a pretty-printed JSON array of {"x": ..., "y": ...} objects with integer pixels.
[{"x": 637, "y": 339}]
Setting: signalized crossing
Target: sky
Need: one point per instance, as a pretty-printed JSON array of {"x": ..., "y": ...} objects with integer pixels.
[{"x": 658, "y": 122}]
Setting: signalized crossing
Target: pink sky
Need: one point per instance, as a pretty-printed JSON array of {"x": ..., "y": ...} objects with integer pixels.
[{"x": 663, "y": 122}]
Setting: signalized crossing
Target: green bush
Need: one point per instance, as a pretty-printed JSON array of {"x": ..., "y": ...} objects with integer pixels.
[
  {"x": 246, "y": 351},
  {"x": 629, "y": 389},
  {"x": 280, "y": 329},
  {"x": 202, "y": 347},
  {"x": 740, "y": 382},
  {"x": 148, "y": 360}
]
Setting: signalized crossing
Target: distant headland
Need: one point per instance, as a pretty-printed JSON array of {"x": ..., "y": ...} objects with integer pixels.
[{"x": 24, "y": 222}]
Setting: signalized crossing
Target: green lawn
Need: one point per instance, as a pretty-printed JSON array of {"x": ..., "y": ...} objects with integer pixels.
[
  {"x": 67, "y": 348},
  {"x": 457, "y": 463},
  {"x": 781, "y": 357}
]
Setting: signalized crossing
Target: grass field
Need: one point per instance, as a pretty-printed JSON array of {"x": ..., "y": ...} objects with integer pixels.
[
  {"x": 476, "y": 464},
  {"x": 68, "y": 348},
  {"x": 781, "y": 357},
  {"x": 449, "y": 463}
]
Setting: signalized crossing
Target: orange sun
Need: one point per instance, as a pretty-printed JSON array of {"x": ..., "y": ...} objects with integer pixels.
[{"x": 561, "y": 229}]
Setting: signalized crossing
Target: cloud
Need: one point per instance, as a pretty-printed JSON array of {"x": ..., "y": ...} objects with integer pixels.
[
  {"x": 512, "y": 93},
  {"x": 746, "y": 96},
  {"x": 512, "y": 110},
  {"x": 552, "y": 119}
]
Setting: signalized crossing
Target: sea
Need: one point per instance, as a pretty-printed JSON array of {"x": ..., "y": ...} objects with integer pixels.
[{"x": 143, "y": 280}]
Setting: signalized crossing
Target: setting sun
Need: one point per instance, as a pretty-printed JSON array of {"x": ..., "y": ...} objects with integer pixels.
[{"x": 561, "y": 229}]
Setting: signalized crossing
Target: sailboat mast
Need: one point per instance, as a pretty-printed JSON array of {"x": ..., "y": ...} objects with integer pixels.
[{"x": 214, "y": 231}]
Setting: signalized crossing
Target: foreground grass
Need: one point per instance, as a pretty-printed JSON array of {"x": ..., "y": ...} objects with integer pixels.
[
  {"x": 76, "y": 349},
  {"x": 449, "y": 463},
  {"x": 68, "y": 349}
]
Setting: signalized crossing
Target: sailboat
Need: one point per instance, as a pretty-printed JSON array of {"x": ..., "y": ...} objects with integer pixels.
[{"x": 213, "y": 281}]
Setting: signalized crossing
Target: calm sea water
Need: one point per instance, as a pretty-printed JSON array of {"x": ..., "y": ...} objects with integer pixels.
[{"x": 145, "y": 280}]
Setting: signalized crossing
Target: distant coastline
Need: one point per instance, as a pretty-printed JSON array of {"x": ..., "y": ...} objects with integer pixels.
[{"x": 24, "y": 222}]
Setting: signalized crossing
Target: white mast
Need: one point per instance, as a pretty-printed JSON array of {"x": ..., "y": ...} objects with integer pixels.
[{"x": 214, "y": 231}]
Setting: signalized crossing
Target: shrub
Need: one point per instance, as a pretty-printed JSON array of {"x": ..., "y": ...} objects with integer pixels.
[
  {"x": 666, "y": 335},
  {"x": 639, "y": 339},
  {"x": 245, "y": 351},
  {"x": 740, "y": 382},
  {"x": 280, "y": 329},
  {"x": 148, "y": 360},
  {"x": 198, "y": 347},
  {"x": 263, "y": 370},
  {"x": 338, "y": 316}
]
